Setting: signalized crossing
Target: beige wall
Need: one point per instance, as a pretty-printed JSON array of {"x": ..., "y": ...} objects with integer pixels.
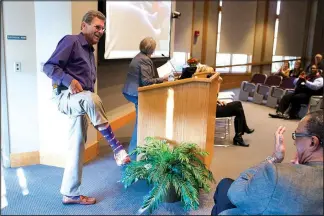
[
  {"x": 22, "y": 86},
  {"x": 198, "y": 26},
  {"x": 237, "y": 28},
  {"x": 183, "y": 26},
  {"x": 50, "y": 121},
  {"x": 291, "y": 31}
]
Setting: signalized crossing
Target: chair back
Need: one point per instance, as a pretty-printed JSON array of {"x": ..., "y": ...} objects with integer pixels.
[
  {"x": 258, "y": 78},
  {"x": 315, "y": 103},
  {"x": 273, "y": 80},
  {"x": 287, "y": 83}
]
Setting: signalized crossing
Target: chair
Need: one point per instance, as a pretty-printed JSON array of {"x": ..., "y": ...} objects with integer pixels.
[
  {"x": 315, "y": 103},
  {"x": 223, "y": 125},
  {"x": 223, "y": 129},
  {"x": 262, "y": 90},
  {"x": 276, "y": 93},
  {"x": 247, "y": 88}
]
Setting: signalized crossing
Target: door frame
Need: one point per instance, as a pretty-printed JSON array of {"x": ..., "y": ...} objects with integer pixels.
[{"x": 5, "y": 138}]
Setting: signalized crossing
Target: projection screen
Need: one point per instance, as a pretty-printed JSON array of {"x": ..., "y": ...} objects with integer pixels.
[{"x": 128, "y": 22}]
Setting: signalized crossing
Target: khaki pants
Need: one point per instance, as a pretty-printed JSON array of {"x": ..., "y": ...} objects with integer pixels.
[{"x": 78, "y": 107}]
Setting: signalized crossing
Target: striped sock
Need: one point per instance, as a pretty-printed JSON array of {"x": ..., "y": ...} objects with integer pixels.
[{"x": 110, "y": 137}]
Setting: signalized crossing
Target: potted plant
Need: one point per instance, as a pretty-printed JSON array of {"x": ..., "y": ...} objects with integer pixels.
[
  {"x": 192, "y": 62},
  {"x": 169, "y": 168}
]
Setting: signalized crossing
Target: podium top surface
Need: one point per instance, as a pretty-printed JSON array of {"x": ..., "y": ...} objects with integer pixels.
[{"x": 213, "y": 78}]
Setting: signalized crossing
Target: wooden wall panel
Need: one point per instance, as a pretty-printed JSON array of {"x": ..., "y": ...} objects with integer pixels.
[{"x": 231, "y": 81}]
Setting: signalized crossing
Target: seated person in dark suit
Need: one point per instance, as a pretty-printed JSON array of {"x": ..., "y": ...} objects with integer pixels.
[
  {"x": 306, "y": 86},
  {"x": 235, "y": 109},
  {"x": 275, "y": 188}
]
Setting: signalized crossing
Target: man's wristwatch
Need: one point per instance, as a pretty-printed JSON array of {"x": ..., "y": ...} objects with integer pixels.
[{"x": 272, "y": 159}]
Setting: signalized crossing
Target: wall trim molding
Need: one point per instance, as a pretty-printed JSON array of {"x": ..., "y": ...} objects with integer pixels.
[
  {"x": 49, "y": 158},
  {"x": 117, "y": 119},
  {"x": 24, "y": 159},
  {"x": 232, "y": 81},
  {"x": 264, "y": 63},
  {"x": 5, "y": 138},
  {"x": 91, "y": 152}
]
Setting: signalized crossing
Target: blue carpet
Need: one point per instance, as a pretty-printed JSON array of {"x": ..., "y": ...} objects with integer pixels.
[{"x": 100, "y": 180}]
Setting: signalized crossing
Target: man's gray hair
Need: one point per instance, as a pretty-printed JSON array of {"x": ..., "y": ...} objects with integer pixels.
[
  {"x": 91, "y": 14},
  {"x": 147, "y": 46},
  {"x": 315, "y": 124}
]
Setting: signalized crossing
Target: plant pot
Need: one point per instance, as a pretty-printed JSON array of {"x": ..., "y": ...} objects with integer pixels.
[{"x": 172, "y": 196}]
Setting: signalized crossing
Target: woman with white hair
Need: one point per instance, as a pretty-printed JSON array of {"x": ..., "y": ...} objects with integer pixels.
[
  {"x": 318, "y": 61},
  {"x": 141, "y": 73}
]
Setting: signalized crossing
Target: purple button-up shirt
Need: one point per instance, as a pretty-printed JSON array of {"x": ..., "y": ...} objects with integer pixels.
[{"x": 73, "y": 58}]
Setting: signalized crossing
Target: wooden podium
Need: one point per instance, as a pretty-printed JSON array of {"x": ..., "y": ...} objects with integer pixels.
[{"x": 180, "y": 111}]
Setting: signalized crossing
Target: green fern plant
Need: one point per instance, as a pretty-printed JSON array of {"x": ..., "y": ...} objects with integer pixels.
[{"x": 164, "y": 167}]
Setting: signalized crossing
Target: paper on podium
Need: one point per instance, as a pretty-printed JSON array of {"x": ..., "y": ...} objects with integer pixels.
[{"x": 164, "y": 69}]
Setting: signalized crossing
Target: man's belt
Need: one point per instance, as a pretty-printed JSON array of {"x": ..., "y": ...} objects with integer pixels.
[{"x": 59, "y": 88}]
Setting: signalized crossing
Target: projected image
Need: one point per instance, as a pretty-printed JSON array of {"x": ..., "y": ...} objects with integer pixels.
[{"x": 129, "y": 22}]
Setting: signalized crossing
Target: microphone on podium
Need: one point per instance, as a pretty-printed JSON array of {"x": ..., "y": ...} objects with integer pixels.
[
  {"x": 170, "y": 63},
  {"x": 171, "y": 75}
]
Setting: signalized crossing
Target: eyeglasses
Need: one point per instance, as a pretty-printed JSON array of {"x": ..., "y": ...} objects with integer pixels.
[
  {"x": 99, "y": 28},
  {"x": 295, "y": 135}
]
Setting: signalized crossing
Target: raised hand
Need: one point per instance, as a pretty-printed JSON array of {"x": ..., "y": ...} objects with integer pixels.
[
  {"x": 280, "y": 149},
  {"x": 302, "y": 75}
]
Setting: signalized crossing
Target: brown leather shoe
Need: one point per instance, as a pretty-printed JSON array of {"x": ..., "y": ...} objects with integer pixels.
[{"x": 82, "y": 200}]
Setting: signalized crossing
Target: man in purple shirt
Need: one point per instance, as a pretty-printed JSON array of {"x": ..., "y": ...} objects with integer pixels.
[{"x": 73, "y": 72}]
